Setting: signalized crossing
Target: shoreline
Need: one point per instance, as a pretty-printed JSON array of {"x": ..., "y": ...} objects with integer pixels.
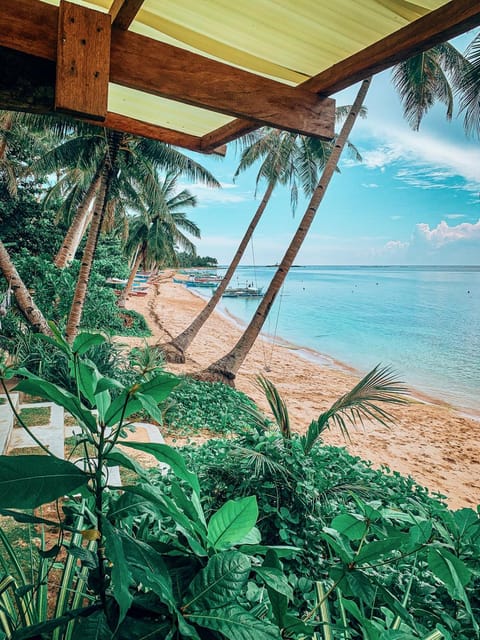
[
  {"x": 325, "y": 360},
  {"x": 434, "y": 443}
]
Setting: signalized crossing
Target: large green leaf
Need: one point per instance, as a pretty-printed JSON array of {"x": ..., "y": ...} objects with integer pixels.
[
  {"x": 232, "y": 522},
  {"x": 373, "y": 551},
  {"x": 159, "y": 388},
  {"x": 164, "y": 453},
  {"x": 87, "y": 379},
  {"x": 276, "y": 580},
  {"x": 84, "y": 341},
  {"x": 353, "y": 527},
  {"x": 235, "y": 623},
  {"x": 121, "y": 578},
  {"x": 147, "y": 568},
  {"x": 278, "y": 599},
  {"x": 455, "y": 575},
  {"x": 219, "y": 583},
  {"x": 451, "y": 570},
  {"x": 36, "y": 386},
  {"x": 26, "y": 482}
]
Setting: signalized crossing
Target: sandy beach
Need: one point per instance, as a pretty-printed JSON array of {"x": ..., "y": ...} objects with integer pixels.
[{"x": 434, "y": 443}]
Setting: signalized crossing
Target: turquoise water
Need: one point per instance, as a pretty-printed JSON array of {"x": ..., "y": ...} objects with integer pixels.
[{"x": 424, "y": 321}]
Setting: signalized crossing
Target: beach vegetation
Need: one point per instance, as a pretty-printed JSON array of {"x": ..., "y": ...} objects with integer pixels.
[
  {"x": 186, "y": 259},
  {"x": 196, "y": 406},
  {"x": 132, "y": 561},
  {"x": 380, "y": 556}
]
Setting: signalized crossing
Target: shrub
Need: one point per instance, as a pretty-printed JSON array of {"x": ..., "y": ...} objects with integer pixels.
[{"x": 197, "y": 405}]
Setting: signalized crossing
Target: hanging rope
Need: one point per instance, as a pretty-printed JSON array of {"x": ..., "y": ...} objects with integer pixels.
[{"x": 268, "y": 362}]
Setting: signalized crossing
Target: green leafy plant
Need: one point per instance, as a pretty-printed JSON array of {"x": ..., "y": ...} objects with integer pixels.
[
  {"x": 154, "y": 565},
  {"x": 195, "y": 405},
  {"x": 381, "y": 559}
]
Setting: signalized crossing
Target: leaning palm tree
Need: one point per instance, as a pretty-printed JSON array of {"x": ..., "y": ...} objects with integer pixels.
[
  {"x": 277, "y": 151},
  {"x": 153, "y": 235},
  {"x": 226, "y": 368},
  {"x": 9, "y": 175},
  {"x": 119, "y": 159}
]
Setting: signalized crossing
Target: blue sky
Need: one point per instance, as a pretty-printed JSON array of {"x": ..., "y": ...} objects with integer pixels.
[{"x": 415, "y": 198}]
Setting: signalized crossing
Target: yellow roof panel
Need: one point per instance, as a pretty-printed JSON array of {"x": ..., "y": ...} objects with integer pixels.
[{"x": 283, "y": 43}]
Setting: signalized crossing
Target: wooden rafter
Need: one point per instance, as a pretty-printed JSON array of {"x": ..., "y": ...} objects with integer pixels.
[
  {"x": 123, "y": 12},
  {"x": 30, "y": 26},
  {"x": 440, "y": 25},
  {"x": 160, "y": 69}
]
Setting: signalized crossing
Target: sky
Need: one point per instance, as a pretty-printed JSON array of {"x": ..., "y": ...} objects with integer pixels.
[{"x": 414, "y": 198}]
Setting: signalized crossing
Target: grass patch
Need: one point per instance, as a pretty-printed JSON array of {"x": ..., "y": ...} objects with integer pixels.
[
  {"x": 27, "y": 451},
  {"x": 35, "y": 416}
]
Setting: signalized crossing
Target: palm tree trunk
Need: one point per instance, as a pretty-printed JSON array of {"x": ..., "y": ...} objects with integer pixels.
[
  {"x": 25, "y": 303},
  {"x": 175, "y": 350},
  {"x": 7, "y": 125},
  {"x": 128, "y": 287},
  {"x": 226, "y": 368},
  {"x": 74, "y": 234},
  {"x": 76, "y": 310}
]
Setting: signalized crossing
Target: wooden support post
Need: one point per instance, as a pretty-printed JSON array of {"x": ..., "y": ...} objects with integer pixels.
[{"x": 83, "y": 61}]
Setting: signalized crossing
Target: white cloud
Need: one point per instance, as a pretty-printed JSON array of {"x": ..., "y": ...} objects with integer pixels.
[
  {"x": 454, "y": 216},
  {"x": 396, "y": 217},
  {"x": 431, "y": 160},
  {"x": 370, "y": 185},
  {"x": 443, "y": 244},
  {"x": 442, "y": 234},
  {"x": 395, "y": 245}
]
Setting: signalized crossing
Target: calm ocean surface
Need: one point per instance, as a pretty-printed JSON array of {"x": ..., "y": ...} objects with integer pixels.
[{"x": 424, "y": 321}]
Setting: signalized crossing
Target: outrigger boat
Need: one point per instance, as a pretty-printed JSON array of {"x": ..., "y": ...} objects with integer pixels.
[{"x": 248, "y": 291}]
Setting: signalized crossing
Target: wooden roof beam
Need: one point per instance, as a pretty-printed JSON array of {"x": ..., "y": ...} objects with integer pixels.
[
  {"x": 123, "y": 12},
  {"x": 27, "y": 83},
  {"x": 440, "y": 25},
  {"x": 83, "y": 55},
  {"x": 160, "y": 69}
]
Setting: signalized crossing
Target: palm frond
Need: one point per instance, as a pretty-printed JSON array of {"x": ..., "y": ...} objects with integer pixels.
[
  {"x": 277, "y": 406},
  {"x": 259, "y": 464},
  {"x": 361, "y": 403},
  {"x": 469, "y": 89}
]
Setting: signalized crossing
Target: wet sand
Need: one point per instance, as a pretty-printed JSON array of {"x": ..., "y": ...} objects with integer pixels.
[{"x": 432, "y": 442}]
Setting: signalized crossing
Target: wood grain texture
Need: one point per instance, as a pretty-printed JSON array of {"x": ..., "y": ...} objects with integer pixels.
[
  {"x": 123, "y": 12},
  {"x": 440, "y": 25},
  {"x": 30, "y": 26},
  {"x": 171, "y": 72},
  {"x": 83, "y": 61}
]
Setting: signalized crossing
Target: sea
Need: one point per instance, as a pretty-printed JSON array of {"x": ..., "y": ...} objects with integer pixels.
[{"x": 424, "y": 322}]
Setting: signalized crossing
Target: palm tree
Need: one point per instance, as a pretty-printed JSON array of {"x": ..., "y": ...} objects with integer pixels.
[
  {"x": 153, "y": 235},
  {"x": 469, "y": 88},
  {"x": 80, "y": 294},
  {"x": 278, "y": 151},
  {"x": 120, "y": 165},
  {"x": 81, "y": 158},
  {"x": 429, "y": 77},
  {"x": 8, "y": 174},
  {"x": 226, "y": 368}
]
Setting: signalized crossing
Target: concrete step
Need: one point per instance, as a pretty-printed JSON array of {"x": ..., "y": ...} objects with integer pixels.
[
  {"x": 52, "y": 435},
  {"x": 6, "y": 420}
]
